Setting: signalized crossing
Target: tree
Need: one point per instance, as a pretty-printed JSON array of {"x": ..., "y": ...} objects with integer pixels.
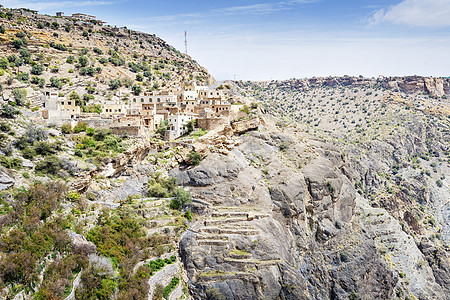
[
  {"x": 25, "y": 53},
  {"x": 191, "y": 125},
  {"x": 136, "y": 89},
  {"x": 245, "y": 109},
  {"x": 37, "y": 69},
  {"x": 55, "y": 25},
  {"x": 37, "y": 80},
  {"x": 4, "y": 63},
  {"x": 19, "y": 95},
  {"x": 98, "y": 51},
  {"x": 9, "y": 111},
  {"x": 194, "y": 158},
  {"x": 83, "y": 61},
  {"x": 18, "y": 43},
  {"x": 56, "y": 82},
  {"x": 23, "y": 76},
  {"x": 114, "y": 84},
  {"x": 180, "y": 199}
]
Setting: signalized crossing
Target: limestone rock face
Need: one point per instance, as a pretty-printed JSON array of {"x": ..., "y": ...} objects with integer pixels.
[
  {"x": 285, "y": 222},
  {"x": 5, "y": 181},
  {"x": 434, "y": 86}
]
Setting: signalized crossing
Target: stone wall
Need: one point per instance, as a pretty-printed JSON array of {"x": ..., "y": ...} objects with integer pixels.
[
  {"x": 211, "y": 123},
  {"x": 129, "y": 130}
]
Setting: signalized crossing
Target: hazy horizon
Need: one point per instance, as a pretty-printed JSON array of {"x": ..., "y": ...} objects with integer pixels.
[{"x": 257, "y": 40}]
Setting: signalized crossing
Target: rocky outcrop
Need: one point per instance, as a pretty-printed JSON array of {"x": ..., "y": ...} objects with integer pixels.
[
  {"x": 435, "y": 87},
  {"x": 5, "y": 181},
  {"x": 284, "y": 222}
]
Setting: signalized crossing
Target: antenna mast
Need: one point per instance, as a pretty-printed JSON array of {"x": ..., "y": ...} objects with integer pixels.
[{"x": 185, "y": 42}]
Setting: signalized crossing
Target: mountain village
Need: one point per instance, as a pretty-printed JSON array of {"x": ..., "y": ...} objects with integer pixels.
[{"x": 140, "y": 115}]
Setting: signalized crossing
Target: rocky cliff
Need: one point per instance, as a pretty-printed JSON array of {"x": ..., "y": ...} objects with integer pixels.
[
  {"x": 282, "y": 220},
  {"x": 436, "y": 87}
]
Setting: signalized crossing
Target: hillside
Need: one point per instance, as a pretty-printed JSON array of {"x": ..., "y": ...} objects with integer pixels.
[
  {"x": 321, "y": 188},
  {"x": 87, "y": 58}
]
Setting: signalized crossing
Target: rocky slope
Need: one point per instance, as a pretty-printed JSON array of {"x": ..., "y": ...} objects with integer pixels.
[
  {"x": 283, "y": 220},
  {"x": 396, "y": 157},
  {"x": 86, "y": 57}
]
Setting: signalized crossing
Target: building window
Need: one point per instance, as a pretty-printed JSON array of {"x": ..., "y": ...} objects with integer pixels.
[
  {"x": 142, "y": 99},
  {"x": 69, "y": 103},
  {"x": 159, "y": 100},
  {"x": 134, "y": 100}
]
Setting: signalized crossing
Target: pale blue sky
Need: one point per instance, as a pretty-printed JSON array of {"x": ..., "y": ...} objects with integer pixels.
[{"x": 280, "y": 39}]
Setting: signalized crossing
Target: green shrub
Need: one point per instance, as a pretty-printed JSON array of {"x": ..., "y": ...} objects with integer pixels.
[
  {"x": 98, "y": 51},
  {"x": 90, "y": 131},
  {"x": 60, "y": 47},
  {"x": 74, "y": 196},
  {"x": 80, "y": 127},
  {"x": 136, "y": 89},
  {"x": 11, "y": 163},
  {"x": 44, "y": 148},
  {"x": 5, "y": 127},
  {"x": 37, "y": 80},
  {"x": 78, "y": 153},
  {"x": 188, "y": 215},
  {"x": 101, "y": 134},
  {"x": 19, "y": 43},
  {"x": 37, "y": 69},
  {"x": 194, "y": 158},
  {"x": 9, "y": 111},
  {"x": 83, "y": 61},
  {"x": 112, "y": 142},
  {"x": 89, "y": 142},
  {"x": 169, "y": 288},
  {"x": 50, "y": 165},
  {"x": 245, "y": 109},
  {"x": 19, "y": 95},
  {"x": 34, "y": 133},
  {"x": 66, "y": 128},
  {"x": 56, "y": 82},
  {"x": 161, "y": 187},
  {"x": 180, "y": 199},
  {"x": 28, "y": 153},
  {"x": 23, "y": 76}
]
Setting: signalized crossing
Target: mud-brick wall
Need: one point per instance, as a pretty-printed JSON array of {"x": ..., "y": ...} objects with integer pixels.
[{"x": 211, "y": 123}]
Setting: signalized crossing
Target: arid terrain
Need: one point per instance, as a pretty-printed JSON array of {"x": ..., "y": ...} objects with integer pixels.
[{"x": 321, "y": 188}]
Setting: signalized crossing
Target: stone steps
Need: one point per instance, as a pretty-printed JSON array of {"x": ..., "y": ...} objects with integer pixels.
[
  {"x": 234, "y": 230},
  {"x": 250, "y": 262},
  {"x": 217, "y": 214},
  {"x": 240, "y": 231},
  {"x": 239, "y": 256},
  {"x": 208, "y": 276},
  {"x": 211, "y": 237},
  {"x": 220, "y": 243},
  {"x": 246, "y": 209},
  {"x": 214, "y": 230},
  {"x": 224, "y": 221}
]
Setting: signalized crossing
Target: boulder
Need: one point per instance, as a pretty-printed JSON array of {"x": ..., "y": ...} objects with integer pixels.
[{"x": 5, "y": 181}]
